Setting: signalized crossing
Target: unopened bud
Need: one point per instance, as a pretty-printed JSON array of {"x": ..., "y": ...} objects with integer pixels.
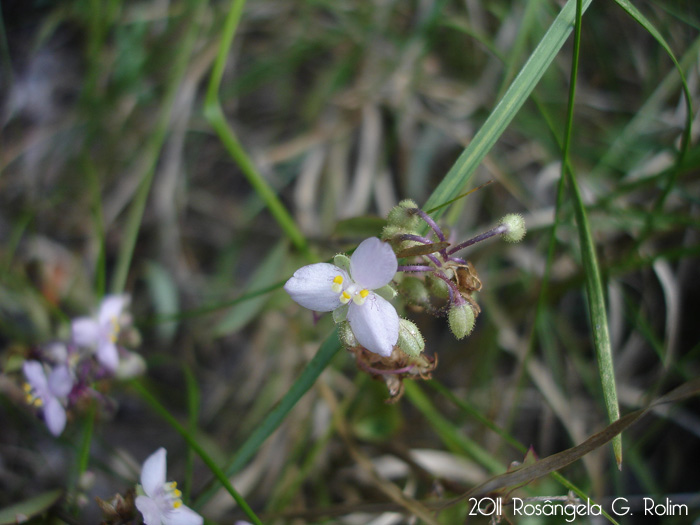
[
  {"x": 410, "y": 339},
  {"x": 342, "y": 261},
  {"x": 414, "y": 290},
  {"x": 437, "y": 286},
  {"x": 461, "y": 320},
  {"x": 515, "y": 225},
  {"x": 346, "y": 335},
  {"x": 403, "y": 216}
]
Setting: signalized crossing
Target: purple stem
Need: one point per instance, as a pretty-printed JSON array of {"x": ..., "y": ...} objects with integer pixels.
[
  {"x": 430, "y": 222},
  {"x": 455, "y": 295},
  {"x": 498, "y": 230},
  {"x": 377, "y": 371},
  {"x": 413, "y": 237}
]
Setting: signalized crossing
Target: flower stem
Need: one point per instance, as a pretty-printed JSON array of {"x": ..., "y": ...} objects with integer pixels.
[{"x": 498, "y": 230}]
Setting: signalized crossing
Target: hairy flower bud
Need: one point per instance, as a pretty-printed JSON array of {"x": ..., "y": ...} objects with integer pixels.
[
  {"x": 515, "y": 225},
  {"x": 403, "y": 216},
  {"x": 437, "y": 286},
  {"x": 414, "y": 290},
  {"x": 346, "y": 335},
  {"x": 461, "y": 320},
  {"x": 410, "y": 339}
]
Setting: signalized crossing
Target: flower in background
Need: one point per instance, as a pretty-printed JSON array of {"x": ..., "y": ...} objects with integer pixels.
[
  {"x": 160, "y": 501},
  {"x": 102, "y": 332},
  {"x": 349, "y": 293},
  {"x": 49, "y": 392}
]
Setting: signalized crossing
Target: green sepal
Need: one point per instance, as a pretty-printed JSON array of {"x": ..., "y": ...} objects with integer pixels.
[
  {"x": 411, "y": 341},
  {"x": 342, "y": 261},
  {"x": 346, "y": 335},
  {"x": 340, "y": 313},
  {"x": 387, "y": 292}
]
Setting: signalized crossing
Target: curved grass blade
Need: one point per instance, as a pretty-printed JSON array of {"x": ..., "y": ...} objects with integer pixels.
[
  {"x": 566, "y": 457},
  {"x": 22, "y": 511},
  {"x": 506, "y": 109},
  {"x": 267, "y": 426},
  {"x": 594, "y": 284},
  {"x": 685, "y": 141},
  {"x": 215, "y": 115}
]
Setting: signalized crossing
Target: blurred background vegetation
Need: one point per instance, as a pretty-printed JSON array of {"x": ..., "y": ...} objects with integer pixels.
[{"x": 114, "y": 178}]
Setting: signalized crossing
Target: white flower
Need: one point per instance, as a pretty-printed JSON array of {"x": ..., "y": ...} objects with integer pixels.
[
  {"x": 102, "y": 331},
  {"x": 325, "y": 287},
  {"x": 161, "y": 504},
  {"x": 48, "y": 392}
]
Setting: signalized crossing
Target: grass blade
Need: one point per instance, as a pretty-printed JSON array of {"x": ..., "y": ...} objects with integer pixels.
[
  {"x": 507, "y": 108},
  {"x": 318, "y": 364},
  {"x": 215, "y": 115}
]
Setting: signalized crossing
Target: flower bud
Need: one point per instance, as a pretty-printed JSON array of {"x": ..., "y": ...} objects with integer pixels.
[
  {"x": 346, "y": 335},
  {"x": 410, "y": 339},
  {"x": 515, "y": 225},
  {"x": 342, "y": 261},
  {"x": 461, "y": 320},
  {"x": 437, "y": 286},
  {"x": 414, "y": 290},
  {"x": 403, "y": 216}
]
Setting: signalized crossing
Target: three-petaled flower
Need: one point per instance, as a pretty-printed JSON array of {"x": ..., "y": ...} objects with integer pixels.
[
  {"x": 325, "y": 287},
  {"x": 48, "y": 392},
  {"x": 101, "y": 332},
  {"x": 161, "y": 503}
]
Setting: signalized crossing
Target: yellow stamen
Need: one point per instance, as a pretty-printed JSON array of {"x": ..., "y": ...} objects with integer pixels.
[
  {"x": 337, "y": 283},
  {"x": 177, "y": 493},
  {"x": 345, "y": 297},
  {"x": 27, "y": 387},
  {"x": 177, "y": 504},
  {"x": 172, "y": 485},
  {"x": 38, "y": 402},
  {"x": 359, "y": 299}
]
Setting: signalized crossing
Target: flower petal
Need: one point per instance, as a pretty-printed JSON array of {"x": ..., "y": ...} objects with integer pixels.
[
  {"x": 60, "y": 381},
  {"x": 86, "y": 331},
  {"x": 311, "y": 286},
  {"x": 153, "y": 472},
  {"x": 375, "y": 324},
  {"x": 149, "y": 509},
  {"x": 373, "y": 264},
  {"x": 108, "y": 356},
  {"x": 183, "y": 516},
  {"x": 111, "y": 308},
  {"x": 54, "y": 415},
  {"x": 36, "y": 377}
]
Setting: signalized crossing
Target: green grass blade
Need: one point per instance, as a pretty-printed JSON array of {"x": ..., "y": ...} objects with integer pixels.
[
  {"x": 154, "y": 146},
  {"x": 507, "y": 108},
  {"x": 194, "y": 445},
  {"x": 594, "y": 283},
  {"x": 215, "y": 115},
  {"x": 318, "y": 364},
  {"x": 646, "y": 24}
]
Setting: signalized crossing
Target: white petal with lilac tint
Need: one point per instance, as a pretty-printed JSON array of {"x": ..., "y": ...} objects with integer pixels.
[
  {"x": 373, "y": 264},
  {"x": 184, "y": 516},
  {"x": 86, "y": 331},
  {"x": 54, "y": 415},
  {"x": 312, "y": 286},
  {"x": 111, "y": 308},
  {"x": 108, "y": 355},
  {"x": 60, "y": 381},
  {"x": 149, "y": 509},
  {"x": 36, "y": 377},
  {"x": 153, "y": 472},
  {"x": 375, "y": 324}
]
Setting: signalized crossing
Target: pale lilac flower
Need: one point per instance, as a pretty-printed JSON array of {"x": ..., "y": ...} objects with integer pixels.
[
  {"x": 160, "y": 502},
  {"x": 48, "y": 392},
  {"x": 102, "y": 331},
  {"x": 325, "y": 287}
]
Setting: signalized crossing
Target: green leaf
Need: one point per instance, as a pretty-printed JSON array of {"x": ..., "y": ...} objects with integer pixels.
[
  {"x": 507, "y": 108},
  {"x": 20, "y": 512},
  {"x": 267, "y": 274},
  {"x": 164, "y": 296}
]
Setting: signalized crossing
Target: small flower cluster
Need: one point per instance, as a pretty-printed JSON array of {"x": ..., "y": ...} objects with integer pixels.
[
  {"x": 159, "y": 501},
  {"x": 358, "y": 291},
  {"x": 61, "y": 374}
]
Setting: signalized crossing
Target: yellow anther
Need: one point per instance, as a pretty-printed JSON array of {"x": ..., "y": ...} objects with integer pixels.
[
  {"x": 359, "y": 299},
  {"x": 27, "y": 387},
  {"x": 345, "y": 297},
  {"x": 364, "y": 293},
  {"x": 29, "y": 399},
  {"x": 177, "y": 493},
  {"x": 337, "y": 283},
  {"x": 177, "y": 504},
  {"x": 38, "y": 402}
]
